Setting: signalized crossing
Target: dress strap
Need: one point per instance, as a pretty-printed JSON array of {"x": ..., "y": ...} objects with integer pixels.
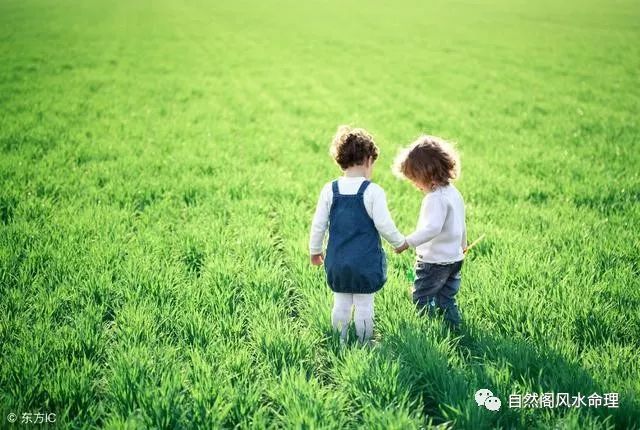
[
  {"x": 334, "y": 187},
  {"x": 363, "y": 187}
]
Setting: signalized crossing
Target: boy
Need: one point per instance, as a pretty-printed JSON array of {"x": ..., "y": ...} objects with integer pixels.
[{"x": 440, "y": 237}]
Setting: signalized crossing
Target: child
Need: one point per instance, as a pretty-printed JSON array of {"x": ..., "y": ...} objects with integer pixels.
[
  {"x": 355, "y": 212},
  {"x": 440, "y": 238}
]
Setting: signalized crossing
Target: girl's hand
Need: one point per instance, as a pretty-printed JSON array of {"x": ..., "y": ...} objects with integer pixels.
[
  {"x": 317, "y": 259},
  {"x": 402, "y": 248}
]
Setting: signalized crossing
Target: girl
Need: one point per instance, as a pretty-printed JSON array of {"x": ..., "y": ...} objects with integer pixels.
[
  {"x": 440, "y": 238},
  {"x": 355, "y": 212}
]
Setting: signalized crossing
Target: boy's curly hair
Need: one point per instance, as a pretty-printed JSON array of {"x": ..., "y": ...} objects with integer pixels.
[
  {"x": 428, "y": 160},
  {"x": 352, "y": 146}
]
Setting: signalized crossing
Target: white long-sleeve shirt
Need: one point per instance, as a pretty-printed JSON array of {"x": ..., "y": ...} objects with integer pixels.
[
  {"x": 441, "y": 234},
  {"x": 375, "y": 203}
]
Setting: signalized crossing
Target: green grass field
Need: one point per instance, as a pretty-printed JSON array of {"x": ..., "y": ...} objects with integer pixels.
[{"x": 159, "y": 167}]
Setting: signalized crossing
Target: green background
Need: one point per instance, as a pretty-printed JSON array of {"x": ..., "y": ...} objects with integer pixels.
[{"x": 160, "y": 162}]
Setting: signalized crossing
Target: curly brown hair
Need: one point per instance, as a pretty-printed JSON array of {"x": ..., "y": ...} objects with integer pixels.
[
  {"x": 352, "y": 146},
  {"x": 429, "y": 160}
]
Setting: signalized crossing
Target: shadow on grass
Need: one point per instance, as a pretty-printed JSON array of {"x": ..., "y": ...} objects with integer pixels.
[{"x": 443, "y": 370}]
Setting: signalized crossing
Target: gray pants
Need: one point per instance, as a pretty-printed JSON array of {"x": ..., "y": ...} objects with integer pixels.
[{"x": 435, "y": 286}]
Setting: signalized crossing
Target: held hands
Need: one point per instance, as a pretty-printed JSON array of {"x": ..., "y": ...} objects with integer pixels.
[
  {"x": 402, "y": 248},
  {"x": 317, "y": 259}
]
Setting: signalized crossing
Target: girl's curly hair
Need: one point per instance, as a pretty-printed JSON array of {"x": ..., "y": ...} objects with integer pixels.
[
  {"x": 352, "y": 146},
  {"x": 428, "y": 160}
]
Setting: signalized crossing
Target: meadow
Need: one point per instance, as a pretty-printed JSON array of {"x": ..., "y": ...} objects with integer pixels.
[{"x": 160, "y": 162}]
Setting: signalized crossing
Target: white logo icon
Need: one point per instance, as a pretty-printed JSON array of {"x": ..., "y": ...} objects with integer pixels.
[
  {"x": 486, "y": 398},
  {"x": 492, "y": 403}
]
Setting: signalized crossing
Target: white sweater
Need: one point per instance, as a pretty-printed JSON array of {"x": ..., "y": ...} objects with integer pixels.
[
  {"x": 375, "y": 203},
  {"x": 441, "y": 233}
]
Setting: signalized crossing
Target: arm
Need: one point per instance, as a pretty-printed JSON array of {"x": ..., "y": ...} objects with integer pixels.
[
  {"x": 319, "y": 226},
  {"x": 436, "y": 211},
  {"x": 464, "y": 239},
  {"x": 382, "y": 219}
]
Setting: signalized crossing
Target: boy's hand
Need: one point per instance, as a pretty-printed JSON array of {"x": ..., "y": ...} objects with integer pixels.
[
  {"x": 317, "y": 259},
  {"x": 402, "y": 248}
]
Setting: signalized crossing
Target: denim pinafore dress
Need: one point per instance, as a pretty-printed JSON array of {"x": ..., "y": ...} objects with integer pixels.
[{"x": 355, "y": 261}]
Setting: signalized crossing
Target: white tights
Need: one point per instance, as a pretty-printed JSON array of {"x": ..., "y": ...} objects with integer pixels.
[{"x": 363, "y": 314}]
